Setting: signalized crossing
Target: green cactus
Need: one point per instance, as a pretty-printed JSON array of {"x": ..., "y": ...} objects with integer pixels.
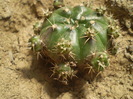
[
  {"x": 63, "y": 72},
  {"x": 58, "y": 3},
  {"x": 72, "y": 36},
  {"x": 36, "y": 43}
]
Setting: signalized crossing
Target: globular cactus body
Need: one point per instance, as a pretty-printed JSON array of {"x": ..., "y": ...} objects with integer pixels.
[
  {"x": 75, "y": 35},
  {"x": 67, "y": 26}
]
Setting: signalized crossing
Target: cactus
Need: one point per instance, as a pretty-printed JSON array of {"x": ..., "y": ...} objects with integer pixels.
[
  {"x": 58, "y": 3},
  {"x": 72, "y": 37}
]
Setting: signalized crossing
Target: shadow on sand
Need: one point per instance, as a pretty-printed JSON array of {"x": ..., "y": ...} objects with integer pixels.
[{"x": 41, "y": 72}]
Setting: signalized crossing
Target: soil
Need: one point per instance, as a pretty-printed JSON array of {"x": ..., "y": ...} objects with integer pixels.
[{"x": 22, "y": 76}]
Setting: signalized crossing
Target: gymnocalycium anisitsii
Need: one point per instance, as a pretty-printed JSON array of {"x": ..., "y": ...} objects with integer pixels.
[{"x": 74, "y": 38}]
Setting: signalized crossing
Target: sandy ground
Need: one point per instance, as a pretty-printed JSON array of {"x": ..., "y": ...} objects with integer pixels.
[{"x": 24, "y": 77}]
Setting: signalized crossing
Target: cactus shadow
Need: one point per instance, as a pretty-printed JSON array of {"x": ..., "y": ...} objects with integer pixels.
[{"x": 40, "y": 72}]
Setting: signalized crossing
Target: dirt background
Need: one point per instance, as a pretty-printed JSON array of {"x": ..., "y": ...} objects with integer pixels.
[{"x": 24, "y": 77}]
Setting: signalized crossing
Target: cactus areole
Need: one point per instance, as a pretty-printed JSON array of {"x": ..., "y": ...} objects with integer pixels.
[{"x": 73, "y": 37}]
